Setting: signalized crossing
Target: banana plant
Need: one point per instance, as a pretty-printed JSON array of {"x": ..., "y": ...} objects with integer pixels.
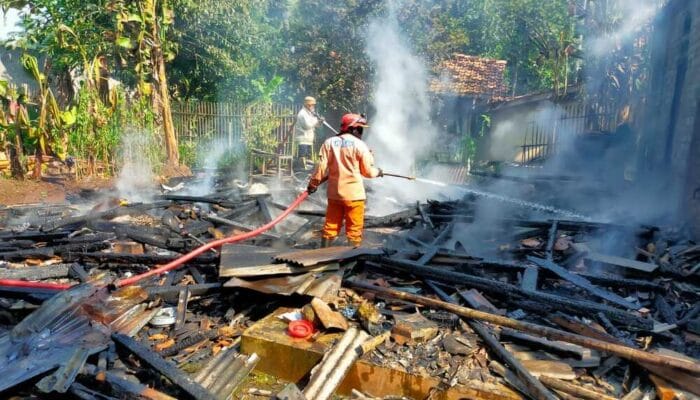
[
  {"x": 13, "y": 122},
  {"x": 50, "y": 129},
  {"x": 141, "y": 33}
]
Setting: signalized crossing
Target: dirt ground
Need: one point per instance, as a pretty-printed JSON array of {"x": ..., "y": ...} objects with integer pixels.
[{"x": 48, "y": 190}]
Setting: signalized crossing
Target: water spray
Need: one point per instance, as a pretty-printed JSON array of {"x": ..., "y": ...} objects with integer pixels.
[{"x": 495, "y": 196}]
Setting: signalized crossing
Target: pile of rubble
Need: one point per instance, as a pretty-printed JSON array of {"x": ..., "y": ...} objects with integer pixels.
[{"x": 530, "y": 308}]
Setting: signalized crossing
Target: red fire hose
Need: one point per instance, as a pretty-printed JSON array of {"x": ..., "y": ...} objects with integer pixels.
[{"x": 173, "y": 264}]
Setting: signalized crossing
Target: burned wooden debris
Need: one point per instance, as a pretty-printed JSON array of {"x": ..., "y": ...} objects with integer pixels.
[{"x": 529, "y": 309}]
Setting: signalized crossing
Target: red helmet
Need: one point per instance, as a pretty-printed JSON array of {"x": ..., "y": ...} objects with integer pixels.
[{"x": 352, "y": 121}]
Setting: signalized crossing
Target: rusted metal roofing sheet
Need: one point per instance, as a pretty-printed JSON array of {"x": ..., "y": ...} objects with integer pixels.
[
  {"x": 308, "y": 258},
  {"x": 312, "y": 284},
  {"x": 243, "y": 255}
]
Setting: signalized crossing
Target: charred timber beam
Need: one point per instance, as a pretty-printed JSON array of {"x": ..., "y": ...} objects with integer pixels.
[
  {"x": 533, "y": 386},
  {"x": 125, "y": 386},
  {"x": 96, "y": 237},
  {"x": 35, "y": 235},
  {"x": 166, "y": 368},
  {"x": 197, "y": 227},
  {"x": 692, "y": 313},
  {"x": 391, "y": 219},
  {"x": 551, "y": 239},
  {"x": 211, "y": 200},
  {"x": 265, "y": 210},
  {"x": 241, "y": 213},
  {"x": 152, "y": 236},
  {"x": 147, "y": 259},
  {"x": 16, "y": 244},
  {"x": 78, "y": 272},
  {"x": 48, "y": 252},
  {"x": 613, "y": 281},
  {"x": 583, "y": 283},
  {"x": 238, "y": 225},
  {"x": 499, "y": 288},
  {"x": 109, "y": 214},
  {"x": 172, "y": 292},
  {"x": 36, "y": 273},
  {"x": 665, "y": 310},
  {"x": 625, "y": 352},
  {"x": 575, "y": 226}
]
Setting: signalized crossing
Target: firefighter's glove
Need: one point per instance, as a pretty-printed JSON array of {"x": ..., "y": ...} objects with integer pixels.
[
  {"x": 380, "y": 174},
  {"x": 311, "y": 189}
]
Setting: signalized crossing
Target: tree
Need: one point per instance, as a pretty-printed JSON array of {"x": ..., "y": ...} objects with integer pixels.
[
  {"x": 535, "y": 37},
  {"x": 142, "y": 34},
  {"x": 130, "y": 36},
  {"x": 218, "y": 60}
]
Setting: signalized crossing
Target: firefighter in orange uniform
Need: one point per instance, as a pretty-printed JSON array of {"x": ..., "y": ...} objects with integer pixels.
[{"x": 344, "y": 160}]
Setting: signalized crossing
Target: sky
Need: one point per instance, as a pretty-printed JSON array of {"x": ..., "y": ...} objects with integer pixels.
[{"x": 8, "y": 22}]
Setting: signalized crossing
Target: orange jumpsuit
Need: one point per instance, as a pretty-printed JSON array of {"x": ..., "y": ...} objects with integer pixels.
[{"x": 344, "y": 160}]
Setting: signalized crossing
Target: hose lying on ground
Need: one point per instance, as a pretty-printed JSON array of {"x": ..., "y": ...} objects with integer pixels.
[{"x": 14, "y": 283}]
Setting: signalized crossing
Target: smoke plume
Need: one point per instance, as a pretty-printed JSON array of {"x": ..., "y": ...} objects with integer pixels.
[
  {"x": 136, "y": 179},
  {"x": 401, "y": 131}
]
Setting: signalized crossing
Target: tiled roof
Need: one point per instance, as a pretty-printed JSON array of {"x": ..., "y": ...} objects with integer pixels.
[{"x": 464, "y": 75}]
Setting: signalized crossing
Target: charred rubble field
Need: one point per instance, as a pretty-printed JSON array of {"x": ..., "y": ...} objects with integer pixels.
[{"x": 540, "y": 311}]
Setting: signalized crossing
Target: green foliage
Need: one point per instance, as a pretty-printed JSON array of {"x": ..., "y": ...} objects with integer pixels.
[
  {"x": 225, "y": 47},
  {"x": 259, "y": 121},
  {"x": 188, "y": 153},
  {"x": 99, "y": 128}
]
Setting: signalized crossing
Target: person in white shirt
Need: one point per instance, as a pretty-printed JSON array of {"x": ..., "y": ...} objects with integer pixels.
[{"x": 307, "y": 121}]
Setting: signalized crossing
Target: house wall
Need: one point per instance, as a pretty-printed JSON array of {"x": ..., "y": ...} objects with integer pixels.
[
  {"x": 542, "y": 118},
  {"x": 670, "y": 143}
]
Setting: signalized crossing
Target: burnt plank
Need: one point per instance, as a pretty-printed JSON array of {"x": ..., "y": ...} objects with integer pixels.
[
  {"x": 614, "y": 281},
  {"x": 543, "y": 299},
  {"x": 238, "y": 225},
  {"x": 147, "y": 259},
  {"x": 196, "y": 275},
  {"x": 36, "y": 273},
  {"x": 533, "y": 386},
  {"x": 529, "y": 279},
  {"x": 48, "y": 252},
  {"x": 172, "y": 292},
  {"x": 166, "y": 368},
  {"x": 265, "y": 211},
  {"x": 665, "y": 310},
  {"x": 182, "y": 300},
  {"x": 78, "y": 272},
  {"x": 583, "y": 283},
  {"x": 552, "y": 238}
]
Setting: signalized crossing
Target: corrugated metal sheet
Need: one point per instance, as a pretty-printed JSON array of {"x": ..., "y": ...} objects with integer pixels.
[
  {"x": 307, "y": 258},
  {"x": 312, "y": 284},
  {"x": 243, "y": 255}
]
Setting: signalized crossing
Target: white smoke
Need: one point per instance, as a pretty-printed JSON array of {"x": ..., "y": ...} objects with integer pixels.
[
  {"x": 136, "y": 180},
  {"x": 208, "y": 157},
  {"x": 633, "y": 14},
  {"x": 401, "y": 131}
]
